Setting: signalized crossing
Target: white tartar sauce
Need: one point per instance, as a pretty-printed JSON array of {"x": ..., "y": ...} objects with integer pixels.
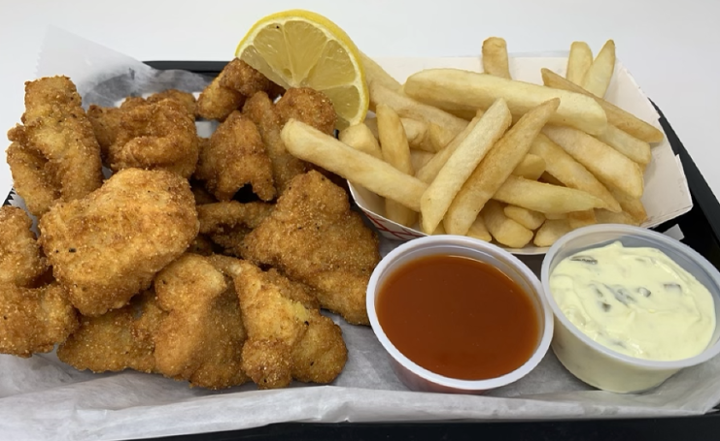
[{"x": 635, "y": 301}]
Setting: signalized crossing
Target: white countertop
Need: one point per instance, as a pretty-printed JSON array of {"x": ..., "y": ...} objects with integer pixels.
[{"x": 671, "y": 47}]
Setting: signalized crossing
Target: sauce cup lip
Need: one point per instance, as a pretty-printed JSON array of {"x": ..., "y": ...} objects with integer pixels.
[
  {"x": 629, "y": 230},
  {"x": 454, "y": 383}
]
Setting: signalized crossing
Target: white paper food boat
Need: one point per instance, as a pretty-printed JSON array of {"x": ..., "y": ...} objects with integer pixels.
[{"x": 666, "y": 190}]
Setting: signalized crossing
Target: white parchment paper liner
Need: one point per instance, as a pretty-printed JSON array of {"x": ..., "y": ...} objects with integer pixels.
[{"x": 42, "y": 398}]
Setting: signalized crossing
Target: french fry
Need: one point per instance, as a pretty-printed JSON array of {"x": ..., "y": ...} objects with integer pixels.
[
  {"x": 396, "y": 152},
  {"x": 416, "y": 131},
  {"x": 545, "y": 198},
  {"x": 555, "y": 216},
  {"x": 478, "y": 230},
  {"x": 597, "y": 77},
  {"x": 495, "y": 57},
  {"x": 633, "y": 207},
  {"x": 454, "y": 88},
  {"x": 635, "y": 149},
  {"x": 311, "y": 145},
  {"x": 550, "y": 232},
  {"x": 466, "y": 114},
  {"x": 410, "y": 108},
  {"x": 432, "y": 168},
  {"x": 439, "y": 137},
  {"x": 503, "y": 229},
  {"x": 439, "y": 230},
  {"x": 579, "y": 219},
  {"x": 419, "y": 158},
  {"x": 531, "y": 167},
  {"x": 608, "y": 217},
  {"x": 563, "y": 168},
  {"x": 579, "y": 61},
  {"x": 495, "y": 168},
  {"x": 550, "y": 179},
  {"x": 376, "y": 74},
  {"x": 461, "y": 164},
  {"x": 611, "y": 167},
  {"x": 616, "y": 116},
  {"x": 527, "y": 218},
  {"x": 361, "y": 138}
]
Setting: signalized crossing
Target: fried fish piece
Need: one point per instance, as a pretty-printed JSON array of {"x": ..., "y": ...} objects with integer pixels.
[
  {"x": 228, "y": 91},
  {"x": 313, "y": 237},
  {"x": 108, "y": 246},
  {"x": 187, "y": 99},
  {"x": 201, "y": 338},
  {"x": 106, "y": 120},
  {"x": 285, "y": 166},
  {"x": 20, "y": 261},
  {"x": 309, "y": 106},
  {"x": 118, "y": 340},
  {"x": 34, "y": 319},
  {"x": 238, "y": 75},
  {"x": 54, "y": 155},
  {"x": 158, "y": 135},
  {"x": 234, "y": 157},
  {"x": 287, "y": 336},
  {"x": 227, "y": 223}
]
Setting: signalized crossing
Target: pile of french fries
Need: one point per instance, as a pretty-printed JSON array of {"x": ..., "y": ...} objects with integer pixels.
[{"x": 483, "y": 155}]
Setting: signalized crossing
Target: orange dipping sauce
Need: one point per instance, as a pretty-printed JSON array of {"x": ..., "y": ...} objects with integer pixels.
[{"x": 458, "y": 317}]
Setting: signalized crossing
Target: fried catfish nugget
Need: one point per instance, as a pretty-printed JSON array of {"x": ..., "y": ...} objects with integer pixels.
[
  {"x": 234, "y": 157},
  {"x": 285, "y": 166},
  {"x": 228, "y": 90},
  {"x": 202, "y": 337},
  {"x": 20, "y": 261},
  {"x": 54, "y": 155},
  {"x": 106, "y": 120},
  {"x": 108, "y": 246},
  {"x": 118, "y": 340},
  {"x": 34, "y": 319},
  {"x": 287, "y": 336},
  {"x": 313, "y": 237},
  {"x": 309, "y": 106},
  {"x": 158, "y": 135},
  {"x": 227, "y": 223}
]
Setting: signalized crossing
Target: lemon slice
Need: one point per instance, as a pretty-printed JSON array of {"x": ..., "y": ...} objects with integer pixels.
[{"x": 299, "y": 48}]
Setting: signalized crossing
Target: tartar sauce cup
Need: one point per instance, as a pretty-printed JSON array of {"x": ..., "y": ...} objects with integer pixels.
[
  {"x": 418, "y": 378},
  {"x": 596, "y": 364}
]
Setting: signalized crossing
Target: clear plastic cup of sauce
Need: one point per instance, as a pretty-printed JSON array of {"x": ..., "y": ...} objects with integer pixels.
[
  {"x": 458, "y": 315},
  {"x": 596, "y": 364}
]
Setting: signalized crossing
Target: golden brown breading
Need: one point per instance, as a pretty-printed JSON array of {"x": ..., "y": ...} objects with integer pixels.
[
  {"x": 227, "y": 223},
  {"x": 321, "y": 354},
  {"x": 32, "y": 177},
  {"x": 202, "y": 337},
  {"x": 285, "y": 166},
  {"x": 187, "y": 99},
  {"x": 234, "y": 157},
  {"x": 218, "y": 100},
  {"x": 20, "y": 261},
  {"x": 105, "y": 123},
  {"x": 238, "y": 75},
  {"x": 108, "y": 246},
  {"x": 34, "y": 319},
  {"x": 309, "y": 106},
  {"x": 118, "y": 340},
  {"x": 313, "y": 237},
  {"x": 106, "y": 120},
  {"x": 58, "y": 139},
  {"x": 158, "y": 135},
  {"x": 277, "y": 323}
]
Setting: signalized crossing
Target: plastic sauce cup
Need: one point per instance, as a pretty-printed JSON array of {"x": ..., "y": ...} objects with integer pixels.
[
  {"x": 418, "y": 378},
  {"x": 596, "y": 364}
]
